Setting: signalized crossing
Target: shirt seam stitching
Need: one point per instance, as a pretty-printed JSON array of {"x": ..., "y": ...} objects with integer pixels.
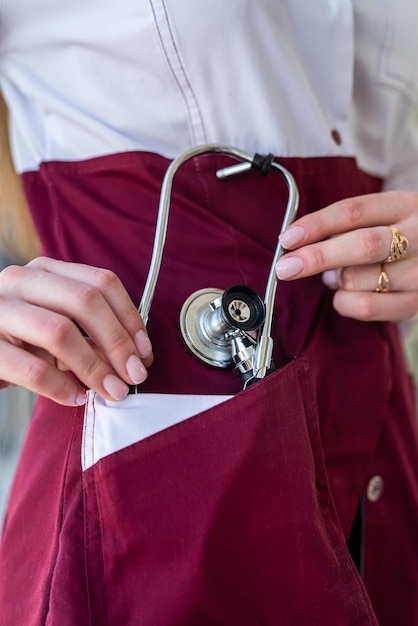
[{"x": 179, "y": 75}]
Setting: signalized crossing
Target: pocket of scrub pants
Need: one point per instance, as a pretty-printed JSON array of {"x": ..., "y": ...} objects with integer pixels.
[{"x": 223, "y": 519}]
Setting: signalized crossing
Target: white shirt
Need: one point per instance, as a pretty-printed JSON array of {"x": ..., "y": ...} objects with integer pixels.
[{"x": 86, "y": 78}]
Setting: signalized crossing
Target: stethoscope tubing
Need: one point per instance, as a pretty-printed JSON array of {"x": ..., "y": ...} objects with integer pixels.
[{"x": 264, "y": 345}]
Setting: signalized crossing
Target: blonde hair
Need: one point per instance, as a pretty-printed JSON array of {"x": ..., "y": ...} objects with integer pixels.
[{"x": 17, "y": 234}]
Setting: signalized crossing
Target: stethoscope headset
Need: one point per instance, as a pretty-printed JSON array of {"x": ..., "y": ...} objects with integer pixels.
[{"x": 224, "y": 328}]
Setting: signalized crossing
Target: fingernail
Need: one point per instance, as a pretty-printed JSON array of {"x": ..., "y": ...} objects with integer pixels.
[
  {"x": 136, "y": 370},
  {"x": 292, "y": 236},
  {"x": 143, "y": 343},
  {"x": 289, "y": 267},
  {"x": 115, "y": 387},
  {"x": 81, "y": 398},
  {"x": 330, "y": 279}
]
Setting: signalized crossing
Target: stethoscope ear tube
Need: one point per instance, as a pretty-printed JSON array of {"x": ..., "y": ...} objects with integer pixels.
[{"x": 232, "y": 327}]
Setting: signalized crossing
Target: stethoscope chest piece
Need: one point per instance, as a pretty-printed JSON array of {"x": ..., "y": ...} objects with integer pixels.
[{"x": 219, "y": 327}]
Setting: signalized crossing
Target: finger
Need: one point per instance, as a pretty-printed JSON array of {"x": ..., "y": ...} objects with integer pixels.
[
  {"x": 378, "y": 307},
  {"x": 22, "y": 368},
  {"x": 387, "y": 208},
  {"x": 111, "y": 288},
  {"x": 364, "y": 246},
  {"x": 90, "y": 308},
  {"x": 401, "y": 276},
  {"x": 59, "y": 337}
]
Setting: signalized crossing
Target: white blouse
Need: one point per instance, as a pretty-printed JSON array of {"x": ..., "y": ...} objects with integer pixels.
[{"x": 86, "y": 78}]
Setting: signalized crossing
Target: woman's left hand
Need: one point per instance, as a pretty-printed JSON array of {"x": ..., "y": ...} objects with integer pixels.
[{"x": 349, "y": 242}]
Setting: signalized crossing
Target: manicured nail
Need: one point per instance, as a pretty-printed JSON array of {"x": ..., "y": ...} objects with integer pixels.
[
  {"x": 288, "y": 267},
  {"x": 292, "y": 236},
  {"x": 143, "y": 343},
  {"x": 330, "y": 278},
  {"x": 81, "y": 398},
  {"x": 115, "y": 387},
  {"x": 136, "y": 370}
]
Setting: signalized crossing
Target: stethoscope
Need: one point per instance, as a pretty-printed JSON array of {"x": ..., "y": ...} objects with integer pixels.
[{"x": 232, "y": 327}]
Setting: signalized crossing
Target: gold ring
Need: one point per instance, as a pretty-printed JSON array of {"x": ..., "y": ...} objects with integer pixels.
[
  {"x": 383, "y": 282},
  {"x": 398, "y": 246}
]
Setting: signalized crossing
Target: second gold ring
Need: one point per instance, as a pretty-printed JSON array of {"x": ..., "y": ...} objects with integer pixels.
[{"x": 383, "y": 282}]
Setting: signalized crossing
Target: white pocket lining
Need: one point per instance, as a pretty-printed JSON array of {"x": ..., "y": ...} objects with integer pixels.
[{"x": 112, "y": 426}]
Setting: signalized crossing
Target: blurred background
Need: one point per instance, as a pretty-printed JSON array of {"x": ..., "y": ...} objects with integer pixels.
[
  {"x": 18, "y": 244},
  {"x": 16, "y": 405},
  {"x": 15, "y": 409}
]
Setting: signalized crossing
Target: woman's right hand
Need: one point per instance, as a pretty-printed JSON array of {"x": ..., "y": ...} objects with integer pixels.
[{"x": 43, "y": 305}]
